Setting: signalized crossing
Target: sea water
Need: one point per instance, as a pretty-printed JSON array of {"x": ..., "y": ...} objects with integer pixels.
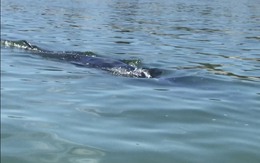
[{"x": 204, "y": 107}]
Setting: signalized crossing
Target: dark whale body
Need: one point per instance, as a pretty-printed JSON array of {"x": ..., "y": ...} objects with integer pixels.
[{"x": 87, "y": 59}]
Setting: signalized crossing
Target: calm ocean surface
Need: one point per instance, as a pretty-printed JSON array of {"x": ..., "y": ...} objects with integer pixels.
[{"x": 204, "y": 108}]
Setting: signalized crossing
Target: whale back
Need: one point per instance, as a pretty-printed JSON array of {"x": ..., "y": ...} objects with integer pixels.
[{"x": 87, "y": 59}]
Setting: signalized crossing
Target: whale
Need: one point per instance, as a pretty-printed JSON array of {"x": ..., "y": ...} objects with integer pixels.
[{"x": 87, "y": 59}]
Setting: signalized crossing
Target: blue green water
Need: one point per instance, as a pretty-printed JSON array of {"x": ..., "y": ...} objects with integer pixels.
[{"x": 205, "y": 107}]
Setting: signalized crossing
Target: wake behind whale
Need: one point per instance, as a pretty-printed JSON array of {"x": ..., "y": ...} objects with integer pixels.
[{"x": 87, "y": 59}]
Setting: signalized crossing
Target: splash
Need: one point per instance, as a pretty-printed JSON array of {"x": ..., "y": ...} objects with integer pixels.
[
  {"x": 22, "y": 44},
  {"x": 137, "y": 72}
]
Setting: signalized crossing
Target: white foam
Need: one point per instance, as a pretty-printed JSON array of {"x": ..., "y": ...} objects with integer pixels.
[
  {"x": 131, "y": 73},
  {"x": 13, "y": 44},
  {"x": 17, "y": 44}
]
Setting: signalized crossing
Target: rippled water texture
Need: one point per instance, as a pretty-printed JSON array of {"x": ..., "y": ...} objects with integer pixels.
[{"x": 204, "y": 107}]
